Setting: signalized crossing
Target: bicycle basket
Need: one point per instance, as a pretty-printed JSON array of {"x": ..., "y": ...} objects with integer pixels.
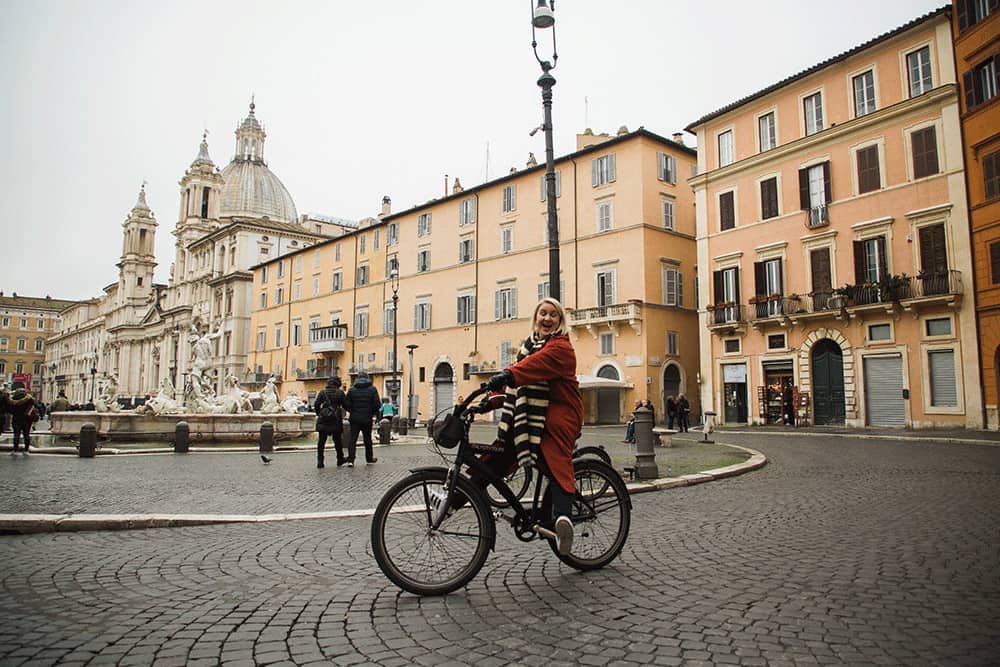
[{"x": 446, "y": 429}]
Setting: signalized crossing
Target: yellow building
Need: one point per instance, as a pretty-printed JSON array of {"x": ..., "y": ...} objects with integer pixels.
[
  {"x": 26, "y": 323},
  {"x": 471, "y": 267},
  {"x": 833, "y": 243}
]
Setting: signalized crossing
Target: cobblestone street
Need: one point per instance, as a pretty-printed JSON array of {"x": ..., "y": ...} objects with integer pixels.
[{"x": 839, "y": 551}]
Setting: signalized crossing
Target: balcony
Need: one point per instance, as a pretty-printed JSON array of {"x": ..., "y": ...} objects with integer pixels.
[
  {"x": 328, "y": 339},
  {"x": 608, "y": 317},
  {"x": 727, "y": 318},
  {"x": 317, "y": 373},
  {"x": 485, "y": 368},
  {"x": 817, "y": 216},
  {"x": 775, "y": 309},
  {"x": 375, "y": 369},
  {"x": 251, "y": 379}
]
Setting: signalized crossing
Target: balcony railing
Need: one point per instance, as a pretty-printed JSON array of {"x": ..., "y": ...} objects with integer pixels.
[
  {"x": 318, "y": 373},
  {"x": 776, "y": 305},
  {"x": 726, "y": 314},
  {"x": 818, "y": 216},
  {"x": 485, "y": 368},
  {"x": 328, "y": 339},
  {"x": 630, "y": 313},
  {"x": 252, "y": 379},
  {"x": 938, "y": 283},
  {"x": 375, "y": 369}
]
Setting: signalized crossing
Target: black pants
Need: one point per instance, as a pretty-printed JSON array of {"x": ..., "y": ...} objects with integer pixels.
[
  {"x": 365, "y": 429},
  {"x": 337, "y": 437},
  {"x": 682, "y": 422},
  {"x": 18, "y": 430},
  {"x": 501, "y": 465}
]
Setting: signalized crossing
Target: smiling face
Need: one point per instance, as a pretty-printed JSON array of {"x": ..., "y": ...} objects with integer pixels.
[{"x": 547, "y": 318}]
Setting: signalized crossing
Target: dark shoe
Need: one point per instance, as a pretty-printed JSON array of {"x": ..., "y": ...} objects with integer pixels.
[
  {"x": 340, "y": 463},
  {"x": 349, "y": 464},
  {"x": 371, "y": 462},
  {"x": 320, "y": 465}
]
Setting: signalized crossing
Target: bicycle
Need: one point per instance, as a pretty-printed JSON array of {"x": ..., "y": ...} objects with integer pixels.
[{"x": 433, "y": 530}]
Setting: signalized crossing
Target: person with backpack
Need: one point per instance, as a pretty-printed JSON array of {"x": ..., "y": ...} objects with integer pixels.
[
  {"x": 329, "y": 408},
  {"x": 23, "y": 413},
  {"x": 363, "y": 403}
]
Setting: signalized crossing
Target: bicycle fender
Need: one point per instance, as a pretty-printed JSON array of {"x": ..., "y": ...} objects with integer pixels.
[{"x": 592, "y": 450}]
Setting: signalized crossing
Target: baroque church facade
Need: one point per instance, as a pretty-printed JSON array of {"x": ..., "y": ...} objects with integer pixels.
[{"x": 137, "y": 337}]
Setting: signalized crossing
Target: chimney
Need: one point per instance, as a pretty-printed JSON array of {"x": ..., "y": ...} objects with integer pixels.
[
  {"x": 679, "y": 138},
  {"x": 386, "y": 205},
  {"x": 446, "y": 185}
]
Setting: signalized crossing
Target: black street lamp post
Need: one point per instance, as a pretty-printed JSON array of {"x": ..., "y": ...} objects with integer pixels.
[
  {"x": 542, "y": 17},
  {"x": 93, "y": 376},
  {"x": 409, "y": 400},
  {"x": 394, "y": 280}
]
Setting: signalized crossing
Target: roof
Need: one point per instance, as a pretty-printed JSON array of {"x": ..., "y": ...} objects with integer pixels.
[
  {"x": 815, "y": 68},
  {"x": 38, "y": 303}
]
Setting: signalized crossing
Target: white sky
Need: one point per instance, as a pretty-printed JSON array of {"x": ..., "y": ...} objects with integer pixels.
[{"x": 359, "y": 99}]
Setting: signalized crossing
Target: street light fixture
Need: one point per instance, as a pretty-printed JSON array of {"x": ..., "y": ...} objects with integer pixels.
[
  {"x": 93, "y": 375},
  {"x": 394, "y": 282},
  {"x": 409, "y": 400},
  {"x": 542, "y": 18}
]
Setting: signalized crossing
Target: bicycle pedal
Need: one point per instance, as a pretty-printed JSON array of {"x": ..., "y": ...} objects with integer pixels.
[{"x": 545, "y": 532}]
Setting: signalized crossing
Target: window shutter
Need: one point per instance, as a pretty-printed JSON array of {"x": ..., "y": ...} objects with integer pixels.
[
  {"x": 680, "y": 288},
  {"x": 804, "y": 189},
  {"x": 427, "y": 312},
  {"x": 593, "y": 173},
  {"x": 962, "y": 10},
  {"x": 826, "y": 182},
  {"x": 416, "y": 317},
  {"x": 661, "y": 166},
  {"x": 995, "y": 262},
  {"x": 541, "y": 291},
  {"x": 859, "y": 262},
  {"x": 718, "y": 288},
  {"x": 513, "y": 302},
  {"x": 759, "y": 279},
  {"x": 669, "y": 283},
  {"x": 496, "y": 305},
  {"x": 781, "y": 278},
  {"x": 672, "y": 166},
  {"x": 883, "y": 265},
  {"x": 969, "y": 83},
  {"x": 513, "y": 197},
  {"x": 727, "y": 213},
  {"x": 942, "y": 370},
  {"x": 611, "y": 168},
  {"x": 736, "y": 285}
]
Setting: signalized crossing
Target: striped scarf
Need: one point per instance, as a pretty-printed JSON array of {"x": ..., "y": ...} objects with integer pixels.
[{"x": 523, "y": 418}]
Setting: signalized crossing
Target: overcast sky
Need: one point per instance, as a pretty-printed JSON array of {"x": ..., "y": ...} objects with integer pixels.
[{"x": 359, "y": 99}]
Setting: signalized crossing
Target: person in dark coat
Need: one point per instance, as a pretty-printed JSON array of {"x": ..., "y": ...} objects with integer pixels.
[
  {"x": 683, "y": 410},
  {"x": 4, "y": 407},
  {"x": 329, "y": 408},
  {"x": 671, "y": 411},
  {"x": 19, "y": 405},
  {"x": 648, "y": 404},
  {"x": 61, "y": 404},
  {"x": 363, "y": 403}
]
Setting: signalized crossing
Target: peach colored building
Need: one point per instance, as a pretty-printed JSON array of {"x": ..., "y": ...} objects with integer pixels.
[
  {"x": 471, "y": 267},
  {"x": 977, "y": 59},
  {"x": 833, "y": 243}
]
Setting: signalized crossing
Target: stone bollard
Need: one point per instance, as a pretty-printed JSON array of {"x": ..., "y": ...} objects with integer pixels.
[
  {"x": 708, "y": 418},
  {"x": 88, "y": 440},
  {"x": 401, "y": 425},
  {"x": 384, "y": 432},
  {"x": 182, "y": 438},
  {"x": 266, "y": 438},
  {"x": 645, "y": 456}
]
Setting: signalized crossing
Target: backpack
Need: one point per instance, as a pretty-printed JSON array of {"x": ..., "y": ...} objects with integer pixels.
[
  {"x": 326, "y": 411},
  {"x": 33, "y": 415}
]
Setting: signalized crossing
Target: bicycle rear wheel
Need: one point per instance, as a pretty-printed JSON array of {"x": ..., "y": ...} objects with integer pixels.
[
  {"x": 602, "y": 516},
  {"x": 416, "y": 557}
]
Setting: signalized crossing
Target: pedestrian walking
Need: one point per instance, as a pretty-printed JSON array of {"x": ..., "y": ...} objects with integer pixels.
[
  {"x": 363, "y": 404},
  {"x": 329, "y": 407},
  {"x": 683, "y": 410},
  {"x": 671, "y": 411},
  {"x": 23, "y": 414}
]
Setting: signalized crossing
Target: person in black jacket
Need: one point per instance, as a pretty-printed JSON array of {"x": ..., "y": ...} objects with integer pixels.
[
  {"x": 19, "y": 405},
  {"x": 329, "y": 408},
  {"x": 363, "y": 403}
]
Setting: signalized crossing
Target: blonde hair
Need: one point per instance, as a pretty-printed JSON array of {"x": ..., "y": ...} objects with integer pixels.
[{"x": 563, "y": 327}]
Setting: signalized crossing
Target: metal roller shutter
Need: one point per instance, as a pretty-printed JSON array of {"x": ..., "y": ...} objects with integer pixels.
[
  {"x": 943, "y": 388},
  {"x": 884, "y": 391}
]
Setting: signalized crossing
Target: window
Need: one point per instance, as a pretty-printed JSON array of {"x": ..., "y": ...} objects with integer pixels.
[
  {"x": 604, "y": 216},
  {"x": 465, "y": 251},
  {"x": 466, "y": 308},
  {"x": 507, "y": 239},
  {"x": 939, "y": 326},
  {"x": 814, "y": 192},
  {"x": 361, "y": 323},
  {"x": 315, "y": 287},
  {"x": 422, "y": 316},
  {"x": 766, "y": 130},
  {"x": 731, "y": 345},
  {"x": 388, "y": 318},
  {"x": 277, "y": 335},
  {"x": 666, "y": 168},
  {"x": 672, "y": 343},
  {"x": 316, "y": 258},
  {"x": 727, "y": 211},
  {"x": 467, "y": 211},
  {"x": 261, "y": 340},
  {"x": 298, "y": 291},
  {"x": 812, "y": 109},
  {"x": 544, "y": 189},
  {"x": 602, "y": 170},
  {"x": 879, "y": 332},
  {"x": 981, "y": 82},
  {"x": 925, "y": 156},
  {"x": 869, "y": 260},
  {"x": 869, "y": 178},
  {"x": 337, "y": 283},
  {"x": 769, "y": 198},
  {"x": 41, "y": 324},
  {"x": 918, "y": 70},
  {"x": 263, "y": 299},
  {"x": 19, "y": 367},
  {"x": 673, "y": 287},
  {"x": 3, "y": 366},
  {"x": 607, "y": 343},
  {"x": 279, "y": 296},
  {"x": 605, "y": 287},
  {"x": 995, "y": 262},
  {"x": 392, "y": 265},
  {"x": 24, "y": 323},
  {"x": 667, "y": 212},
  {"x": 336, "y": 252},
  {"x": 543, "y": 289},
  {"x": 726, "y": 149},
  {"x": 423, "y": 260},
  {"x": 391, "y": 234},
  {"x": 424, "y": 224},
  {"x": 281, "y": 269},
  {"x": 509, "y": 204},
  {"x": 4, "y": 342},
  {"x": 362, "y": 244},
  {"x": 506, "y": 354},
  {"x": 362, "y": 275},
  {"x": 375, "y": 239},
  {"x": 296, "y": 333},
  {"x": 776, "y": 341},
  {"x": 864, "y": 93},
  {"x": 505, "y": 307},
  {"x": 942, "y": 371},
  {"x": 991, "y": 175}
]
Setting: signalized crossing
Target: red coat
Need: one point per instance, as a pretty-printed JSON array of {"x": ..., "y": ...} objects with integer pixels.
[{"x": 555, "y": 363}]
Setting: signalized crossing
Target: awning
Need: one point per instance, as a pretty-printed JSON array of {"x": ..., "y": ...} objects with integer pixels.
[{"x": 594, "y": 382}]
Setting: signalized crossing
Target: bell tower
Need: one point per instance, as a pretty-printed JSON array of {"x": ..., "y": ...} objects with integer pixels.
[
  {"x": 201, "y": 194},
  {"x": 138, "y": 258}
]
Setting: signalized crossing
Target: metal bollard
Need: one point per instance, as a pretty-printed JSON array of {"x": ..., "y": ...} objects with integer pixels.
[
  {"x": 401, "y": 425},
  {"x": 88, "y": 440},
  {"x": 182, "y": 438},
  {"x": 645, "y": 456},
  {"x": 266, "y": 437},
  {"x": 384, "y": 432}
]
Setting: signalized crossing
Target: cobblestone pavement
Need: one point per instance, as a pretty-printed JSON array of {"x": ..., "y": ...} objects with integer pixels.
[{"x": 837, "y": 552}]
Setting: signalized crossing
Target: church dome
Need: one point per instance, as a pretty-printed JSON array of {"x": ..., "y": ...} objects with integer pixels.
[{"x": 251, "y": 189}]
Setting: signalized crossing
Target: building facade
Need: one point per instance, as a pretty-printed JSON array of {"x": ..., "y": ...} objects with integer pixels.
[
  {"x": 833, "y": 243},
  {"x": 138, "y": 334},
  {"x": 977, "y": 58},
  {"x": 469, "y": 269},
  {"x": 25, "y": 326}
]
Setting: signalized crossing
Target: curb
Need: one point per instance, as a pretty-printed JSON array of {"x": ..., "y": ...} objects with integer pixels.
[
  {"x": 23, "y": 524},
  {"x": 947, "y": 440}
]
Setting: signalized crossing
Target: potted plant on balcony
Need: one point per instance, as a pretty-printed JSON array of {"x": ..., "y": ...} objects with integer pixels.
[{"x": 894, "y": 287}]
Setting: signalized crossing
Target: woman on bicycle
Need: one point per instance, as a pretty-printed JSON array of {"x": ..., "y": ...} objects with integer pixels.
[{"x": 543, "y": 411}]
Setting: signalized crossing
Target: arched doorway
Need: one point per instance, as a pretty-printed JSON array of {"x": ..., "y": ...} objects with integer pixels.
[
  {"x": 671, "y": 385},
  {"x": 828, "y": 382},
  {"x": 608, "y": 399},
  {"x": 444, "y": 387}
]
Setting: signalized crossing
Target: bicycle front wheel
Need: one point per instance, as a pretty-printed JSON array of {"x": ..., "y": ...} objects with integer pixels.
[
  {"x": 419, "y": 558},
  {"x": 601, "y": 515}
]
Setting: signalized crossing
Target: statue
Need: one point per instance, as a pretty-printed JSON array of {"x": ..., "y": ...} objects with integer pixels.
[
  {"x": 269, "y": 394},
  {"x": 201, "y": 355},
  {"x": 106, "y": 401},
  {"x": 236, "y": 399},
  {"x": 292, "y": 403},
  {"x": 161, "y": 404}
]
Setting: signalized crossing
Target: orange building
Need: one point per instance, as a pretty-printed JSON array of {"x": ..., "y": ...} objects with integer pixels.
[
  {"x": 977, "y": 59},
  {"x": 833, "y": 243}
]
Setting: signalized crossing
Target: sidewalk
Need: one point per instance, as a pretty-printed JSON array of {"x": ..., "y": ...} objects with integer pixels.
[{"x": 953, "y": 435}]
